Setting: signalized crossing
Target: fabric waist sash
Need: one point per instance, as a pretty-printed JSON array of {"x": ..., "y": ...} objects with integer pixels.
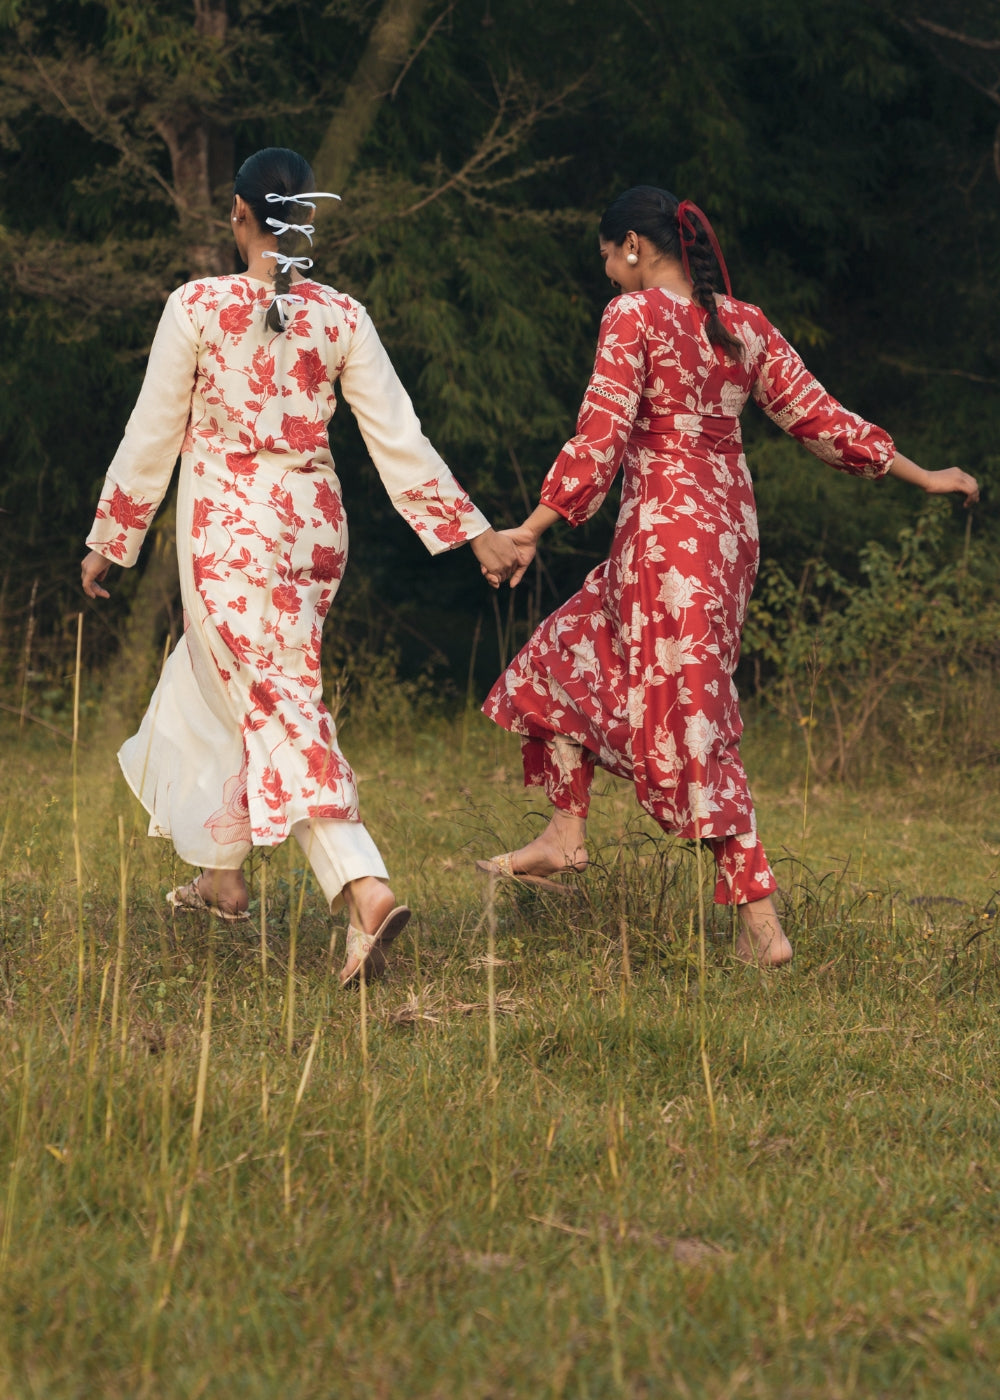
[{"x": 721, "y": 432}]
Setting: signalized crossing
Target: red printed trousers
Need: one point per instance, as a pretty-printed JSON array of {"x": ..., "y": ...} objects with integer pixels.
[{"x": 565, "y": 769}]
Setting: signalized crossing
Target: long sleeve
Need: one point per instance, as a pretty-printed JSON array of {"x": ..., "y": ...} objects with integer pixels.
[
  {"x": 796, "y": 401},
  {"x": 581, "y": 475},
  {"x": 419, "y": 484},
  {"x": 140, "y": 472}
]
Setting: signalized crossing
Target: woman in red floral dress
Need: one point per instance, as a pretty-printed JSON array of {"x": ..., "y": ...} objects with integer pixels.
[
  {"x": 237, "y": 748},
  {"x": 635, "y": 671}
]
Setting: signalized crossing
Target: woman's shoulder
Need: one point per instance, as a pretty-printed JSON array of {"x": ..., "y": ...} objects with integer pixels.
[
  {"x": 630, "y": 306},
  {"x": 341, "y": 303},
  {"x": 749, "y": 323},
  {"x": 237, "y": 295}
]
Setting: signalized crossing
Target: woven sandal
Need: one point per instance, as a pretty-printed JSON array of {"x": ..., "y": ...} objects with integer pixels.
[
  {"x": 366, "y": 951},
  {"x": 188, "y": 899}
]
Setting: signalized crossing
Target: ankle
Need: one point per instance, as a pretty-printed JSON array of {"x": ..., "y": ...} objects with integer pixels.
[{"x": 368, "y": 901}]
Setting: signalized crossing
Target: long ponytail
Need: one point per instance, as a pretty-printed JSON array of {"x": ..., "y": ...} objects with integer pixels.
[
  {"x": 268, "y": 181},
  {"x": 678, "y": 230}
]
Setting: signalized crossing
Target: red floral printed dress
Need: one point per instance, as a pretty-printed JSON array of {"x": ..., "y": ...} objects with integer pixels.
[
  {"x": 637, "y": 666},
  {"x": 237, "y": 745}
]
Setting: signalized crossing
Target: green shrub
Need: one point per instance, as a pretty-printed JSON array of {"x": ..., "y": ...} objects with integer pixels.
[{"x": 889, "y": 669}]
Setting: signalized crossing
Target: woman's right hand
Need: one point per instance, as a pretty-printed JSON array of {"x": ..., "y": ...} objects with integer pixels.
[
  {"x": 939, "y": 483},
  {"x": 93, "y": 571},
  {"x": 524, "y": 543},
  {"x": 949, "y": 479}
]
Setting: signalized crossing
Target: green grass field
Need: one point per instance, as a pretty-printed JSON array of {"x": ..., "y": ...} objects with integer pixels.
[{"x": 606, "y": 1160}]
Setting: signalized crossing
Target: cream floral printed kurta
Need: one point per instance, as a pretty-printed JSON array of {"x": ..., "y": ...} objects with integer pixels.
[
  {"x": 638, "y": 665},
  {"x": 237, "y": 745}
]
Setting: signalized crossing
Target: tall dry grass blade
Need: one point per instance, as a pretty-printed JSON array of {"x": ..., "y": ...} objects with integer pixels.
[
  {"x": 92, "y": 1049},
  {"x": 625, "y": 979},
  {"x": 366, "y": 1085},
  {"x": 166, "y": 1084},
  {"x": 808, "y": 725},
  {"x": 26, "y": 660},
  {"x": 196, "y": 1122},
  {"x": 491, "y": 981},
  {"x": 206, "y": 1040},
  {"x": 263, "y": 931},
  {"x": 15, "y": 1161},
  {"x": 295, "y": 908},
  {"x": 148, "y": 1372},
  {"x": 471, "y": 707},
  {"x": 122, "y": 936},
  {"x": 494, "y": 1077},
  {"x": 611, "y": 1315},
  {"x": 81, "y": 950},
  {"x": 303, "y": 1081},
  {"x": 702, "y": 1004},
  {"x": 163, "y": 1213}
]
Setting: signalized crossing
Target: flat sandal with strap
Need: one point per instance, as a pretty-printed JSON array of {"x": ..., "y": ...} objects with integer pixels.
[
  {"x": 503, "y": 867},
  {"x": 367, "y": 950},
  {"x": 188, "y": 899}
]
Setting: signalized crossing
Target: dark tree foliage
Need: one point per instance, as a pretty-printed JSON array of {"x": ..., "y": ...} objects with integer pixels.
[{"x": 847, "y": 153}]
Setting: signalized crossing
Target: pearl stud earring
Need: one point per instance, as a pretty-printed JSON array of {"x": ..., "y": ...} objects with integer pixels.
[{"x": 631, "y": 259}]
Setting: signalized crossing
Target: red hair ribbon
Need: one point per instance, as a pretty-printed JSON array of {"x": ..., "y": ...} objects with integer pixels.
[{"x": 689, "y": 233}]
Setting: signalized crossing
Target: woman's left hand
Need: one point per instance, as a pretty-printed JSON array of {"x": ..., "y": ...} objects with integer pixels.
[
  {"x": 497, "y": 556},
  {"x": 941, "y": 483},
  {"x": 93, "y": 571},
  {"x": 524, "y": 545}
]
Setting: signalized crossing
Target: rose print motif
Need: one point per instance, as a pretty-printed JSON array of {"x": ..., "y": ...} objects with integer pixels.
[
  {"x": 327, "y": 564},
  {"x": 301, "y": 435},
  {"x": 309, "y": 372},
  {"x": 230, "y": 825},
  {"x": 236, "y": 318},
  {"x": 329, "y": 504},
  {"x": 128, "y": 512},
  {"x": 285, "y": 598},
  {"x": 323, "y": 764}
]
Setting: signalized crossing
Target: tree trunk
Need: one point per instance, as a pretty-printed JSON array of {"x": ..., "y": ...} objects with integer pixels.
[
  {"x": 387, "y": 49},
  {"x": 197, "y": 149}
]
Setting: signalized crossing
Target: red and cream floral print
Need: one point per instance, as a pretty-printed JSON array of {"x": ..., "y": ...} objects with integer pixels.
[
  {"x": 237, "y": 744},
  {"x": 638, "y": 665}
]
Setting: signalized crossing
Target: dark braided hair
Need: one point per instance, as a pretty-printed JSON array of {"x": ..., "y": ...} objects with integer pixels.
[
  {"x": 277, "y": 170},
  {"x": 652, "y": 213}
]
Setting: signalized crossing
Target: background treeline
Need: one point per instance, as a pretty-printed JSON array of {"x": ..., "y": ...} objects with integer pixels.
[{"x": 848, "y": 153}]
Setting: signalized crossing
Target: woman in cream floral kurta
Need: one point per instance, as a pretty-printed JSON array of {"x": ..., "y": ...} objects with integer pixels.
[
  {"x": 237, "y": 748},
  {"x": 262, "y": 543}
]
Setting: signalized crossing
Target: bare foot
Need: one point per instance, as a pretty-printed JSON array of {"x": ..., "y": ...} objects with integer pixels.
[
  {"x": 762, "y": 940},
  {"x": 223, "y": 889},
  {"x": 547, "y": 855}
]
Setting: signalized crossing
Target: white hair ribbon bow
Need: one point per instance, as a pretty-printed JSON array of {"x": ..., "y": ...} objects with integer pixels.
[
  {"x": 285, "y": 262},
  {"x": 306, "y": 229},
  {"x": 306, "y": 197},
  {"x": 282, "y": 301}
]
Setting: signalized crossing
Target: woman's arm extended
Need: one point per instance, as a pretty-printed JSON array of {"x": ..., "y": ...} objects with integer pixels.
[{"x": 938, "y": 483}]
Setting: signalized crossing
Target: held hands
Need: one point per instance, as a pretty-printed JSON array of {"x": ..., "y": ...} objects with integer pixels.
[
  {"x": 93, "y": 571},
  {"x": 501, "y": 556}
]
